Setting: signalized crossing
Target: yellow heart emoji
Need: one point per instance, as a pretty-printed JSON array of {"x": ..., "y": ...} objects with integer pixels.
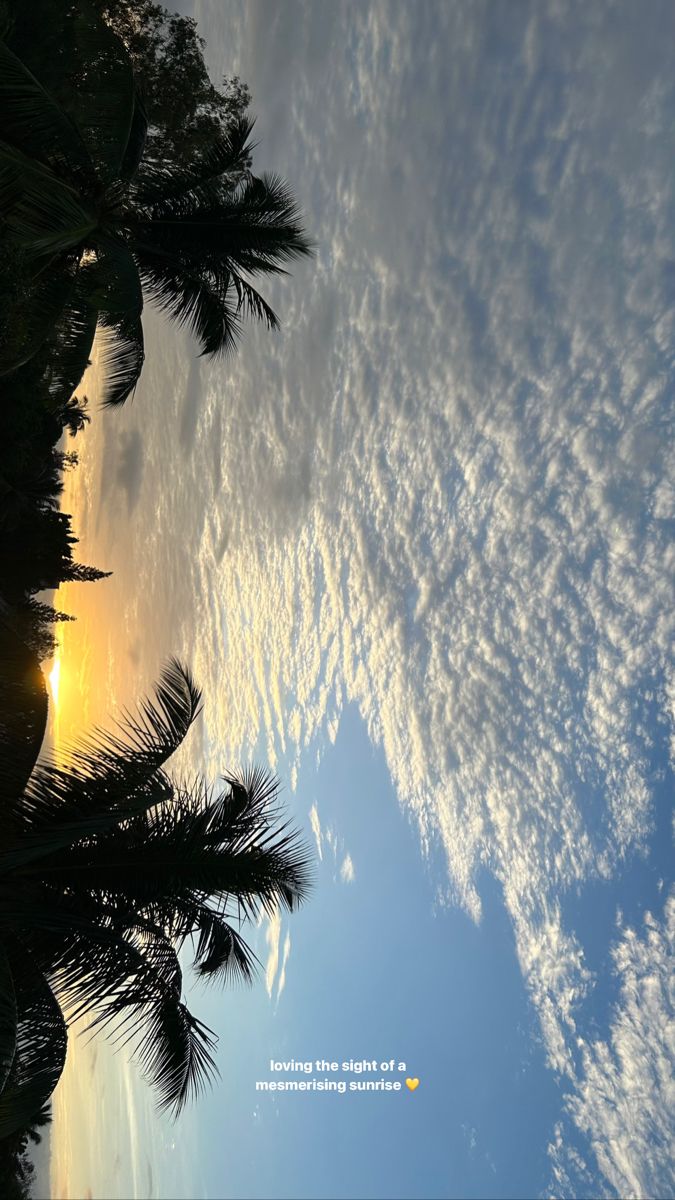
[{"x": 412, "y": 1084}]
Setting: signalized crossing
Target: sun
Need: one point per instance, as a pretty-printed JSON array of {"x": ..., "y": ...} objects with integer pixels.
[{"x": 54, "y": 678}]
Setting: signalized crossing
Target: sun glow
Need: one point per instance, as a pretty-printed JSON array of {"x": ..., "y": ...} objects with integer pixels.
[{"x": 54, "y": 679}]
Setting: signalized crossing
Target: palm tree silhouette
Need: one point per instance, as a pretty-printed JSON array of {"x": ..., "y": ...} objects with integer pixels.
[
  {"x": 109, "y": 869},
  {"x": 102, "y": 229}
]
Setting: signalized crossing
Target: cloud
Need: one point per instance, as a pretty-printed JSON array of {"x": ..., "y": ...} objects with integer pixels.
[
  {"x": 329, "y": 838},
  {"x": 347, "y": 872},
  {"x": 441, "y": 494},
  {"x": 625, "y": 1100},
  {"x": 192, "y": 404},
  {"x": 272, "y": 938},
  {"x": 481, "y": 561},
  {"x": 129, "y": 474},
  {"x": 316, "y": 829},
  {"x": 284, "y": 961},
  {"x": 277, "y": 958}
]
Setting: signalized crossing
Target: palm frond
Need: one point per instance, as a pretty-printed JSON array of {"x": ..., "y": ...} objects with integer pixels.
[
  {"x": 32, "y": 320},
  {"x": 71, "y": 341},
  {"x": 122, "y": 358},
  {"x": 247, "y": 806},
  {"x": 131, "y": 986},
  {"x": 145, "y": 1013},
  {"x": 256, "y": 228},
  {"x": 252, "y": 303},
  {"x": 100, "y": 966},
  {"x": 190, "y": 297},
  {"x": 41, "y": 212},
  {"x": 176, "y": 1054},
  {"x": 176, "y": 864},
  {"x": 113, "y": 282},
  {"x": 31, "y": 119},
  {"x": 138, "y": 133},
  {"x": 8, "y": 1019},
  {"x": 89, "y": 963},
  {"x": 221, "y": 953},
  {"x": 42, "y": 1040},
  {"x": 107, "y": 777},
  {"x": 160, "y": 183}
]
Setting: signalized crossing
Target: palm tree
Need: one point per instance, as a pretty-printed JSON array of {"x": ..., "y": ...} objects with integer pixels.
[
  {"x": 109, "y": 869},
  {"x": 101, "y": 228},
  {"x": 40, "y": 1120}
]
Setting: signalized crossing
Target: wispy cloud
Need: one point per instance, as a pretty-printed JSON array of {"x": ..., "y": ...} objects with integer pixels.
[
  {"x": 284, "y": 961},
  {"x": 347, "y": 872},
  {"x": 273, "y": 940},
  {"x": 316, "y": 829},
  {"x": 625, "y": 1100}
]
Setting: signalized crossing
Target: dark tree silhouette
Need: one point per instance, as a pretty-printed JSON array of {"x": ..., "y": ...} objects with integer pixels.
[
  {"x": 186, "y": 112},
  {"x": 73, "y": 415},
  {"x": 108, "y": 869},
  {"x": 79, "y": 197}
]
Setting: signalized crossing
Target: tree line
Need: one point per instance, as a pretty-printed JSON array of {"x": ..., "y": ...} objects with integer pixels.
[{"x": 126, "y": 177}]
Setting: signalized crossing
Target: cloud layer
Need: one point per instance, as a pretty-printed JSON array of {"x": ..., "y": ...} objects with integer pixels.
[{"x": 444, "y": 493}]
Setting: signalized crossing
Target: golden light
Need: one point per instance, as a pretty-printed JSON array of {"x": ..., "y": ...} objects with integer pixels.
[{"x": 54, "y": 677}]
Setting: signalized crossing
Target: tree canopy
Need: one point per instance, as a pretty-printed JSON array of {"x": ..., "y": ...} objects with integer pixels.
[
  {"x": 108, "y": 868},
  {"x": 103, "y": 224},
  {"x": 186, "y": 111}
]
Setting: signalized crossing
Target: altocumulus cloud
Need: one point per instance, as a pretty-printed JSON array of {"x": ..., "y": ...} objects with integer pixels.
[
  {"x": 444, "y": 492},
  {"x": 626, "y": 1100}
]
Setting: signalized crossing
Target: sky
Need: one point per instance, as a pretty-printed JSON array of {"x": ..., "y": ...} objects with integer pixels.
[{"x": 417, "y": 548}]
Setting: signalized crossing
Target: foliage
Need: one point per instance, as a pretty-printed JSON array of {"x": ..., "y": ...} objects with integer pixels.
[
  {"x": 16, "y": 1169},
  {"x": 36, "y": 540},
  {"x": 103, "y": 222},
  {"x": 109, "y": 868},
  {"x": 73, "y": 415},
  {"x": 187, "y": 114},
  {"x": 23, "y": 711}
]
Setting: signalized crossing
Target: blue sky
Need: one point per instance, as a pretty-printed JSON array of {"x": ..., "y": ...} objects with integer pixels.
[
  {"x": 380, "y": 971},
  {"x": 418, "y": 550}
]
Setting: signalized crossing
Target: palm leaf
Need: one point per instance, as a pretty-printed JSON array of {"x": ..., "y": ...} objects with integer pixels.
[
  {"x": 160, "y": 183},
  {"x": 222, "y": 954},
  {"x": 247, "y": 806},
  {"x": 41, "y": 212},
  {"x": 190, "y": 297},
  {"x": 252, "y": 303},
  {"x": 176, "y": 1054},
  {"x": 8, "y": 1019},
  {"x": 138, "y": 133},
  {"x": 31, "y": 119},
  {"x": 41, "y": 1044},
  {"x": 72, "y": 341},
  {"x": 114, "y": 284},
  {"x": 108, "y": 290},
  {"x": 97, "y": 965},
  {"x": 176, "y": 864},
  {"x": 134, "y": 982},
  {"x": 256, "y": 228},
  {"x": 33, "y": 319},
  {"x": 108, "y": 776},
  {"x": 122, "y": 358},
  {"x": 136, "y": 985}
]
